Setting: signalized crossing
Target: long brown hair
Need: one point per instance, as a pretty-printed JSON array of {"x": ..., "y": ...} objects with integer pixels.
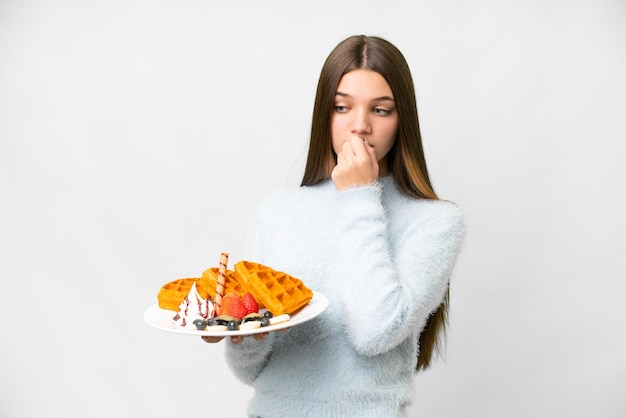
[{"x": 406, "y": 157}]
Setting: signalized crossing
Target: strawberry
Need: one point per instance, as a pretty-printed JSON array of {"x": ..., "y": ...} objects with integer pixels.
[
  {"x": 232, "y": 305},
  {"x": 250, "y": 303}
]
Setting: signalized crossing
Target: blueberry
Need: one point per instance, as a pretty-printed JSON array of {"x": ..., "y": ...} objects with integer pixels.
[
  {"x": 233, "y": 325},
  {"x": 268, "y": 314},
  {"x": 265, "y": 322},
  {"x": 200, "y": 324}
]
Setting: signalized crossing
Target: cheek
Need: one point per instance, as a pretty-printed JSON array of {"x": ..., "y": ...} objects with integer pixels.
[
  {"x": 336, "y": 135},
  {"x": 387, "y": 139},
  {"x": 382, "y": 151},
  {"x": 382, "y": 145}
]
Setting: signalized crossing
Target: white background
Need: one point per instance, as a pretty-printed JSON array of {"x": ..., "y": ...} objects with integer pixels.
[{"x": 136, "y": 137}]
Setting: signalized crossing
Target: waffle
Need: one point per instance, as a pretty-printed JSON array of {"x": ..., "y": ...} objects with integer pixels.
[
  {"x": 279, "y": 292},
  {"x": 173, "y": 293},
  {"x": 208, "y": 282}
]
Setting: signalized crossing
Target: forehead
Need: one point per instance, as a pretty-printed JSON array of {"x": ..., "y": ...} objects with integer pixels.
[{"x": 366, "y": 84}]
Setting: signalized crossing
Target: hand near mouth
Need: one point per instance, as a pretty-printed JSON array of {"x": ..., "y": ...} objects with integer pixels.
[{"x": 356, "y": 164}]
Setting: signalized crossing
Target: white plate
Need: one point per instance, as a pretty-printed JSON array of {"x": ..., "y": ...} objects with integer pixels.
[{"x": 162, "y": 319}]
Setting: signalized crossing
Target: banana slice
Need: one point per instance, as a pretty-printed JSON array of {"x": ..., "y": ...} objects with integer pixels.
[
  {"x": 280, "y": 318},
  {"x": 250, "y": 325}
]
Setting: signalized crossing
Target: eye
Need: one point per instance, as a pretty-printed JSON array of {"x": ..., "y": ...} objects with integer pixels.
[
  {"x": 382, "y": 112},
  {"x": 341, "y": 108}
]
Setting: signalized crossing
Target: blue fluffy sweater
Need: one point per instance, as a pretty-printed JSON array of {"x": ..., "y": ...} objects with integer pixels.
[{"x": 384, "y": 260}]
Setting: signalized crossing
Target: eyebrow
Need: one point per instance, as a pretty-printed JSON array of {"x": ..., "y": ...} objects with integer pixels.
[{"x": 377, "y": 99}]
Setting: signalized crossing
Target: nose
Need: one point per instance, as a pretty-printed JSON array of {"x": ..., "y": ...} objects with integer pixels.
[{"x": 361, "y": 123}]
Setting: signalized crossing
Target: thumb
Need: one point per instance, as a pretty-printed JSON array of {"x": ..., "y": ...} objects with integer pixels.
[{"x": 371, "y": 153}]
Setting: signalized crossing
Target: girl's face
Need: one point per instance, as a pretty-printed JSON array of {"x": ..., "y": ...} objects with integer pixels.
[{"x": 364, "y": 106}]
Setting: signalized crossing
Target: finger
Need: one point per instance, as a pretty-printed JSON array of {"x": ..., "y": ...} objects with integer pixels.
[
  {"x": 261, "y": 337},
  {"x": 348, "y": 152},
  {"x": 359, "y": 146},
  {"x": 341, "y": 159},
  {"x": 370, "y": 152},
  {"x": 346, "y": 147},
  {"x": 236, "y": 339},
  {"x": 211, "y": 340}
]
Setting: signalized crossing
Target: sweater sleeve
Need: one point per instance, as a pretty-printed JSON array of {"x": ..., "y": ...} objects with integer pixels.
[
  {"x": 248, "y": 359},
  {"x": 388, "y": 285}
]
